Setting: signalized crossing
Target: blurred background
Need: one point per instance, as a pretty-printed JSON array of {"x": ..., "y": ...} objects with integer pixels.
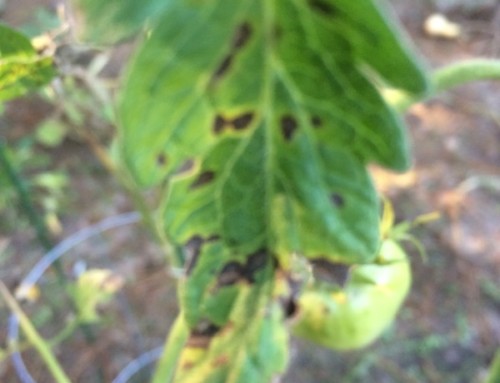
[{"x": 447, "y": 332}]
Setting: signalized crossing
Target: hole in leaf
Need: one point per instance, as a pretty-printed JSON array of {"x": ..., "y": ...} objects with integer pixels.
[
  {"x": 316, "y": 122},
  {"x": 337, "y": 200},
  {"x": 242, "y": 36},
  {"x": 205, "y": 327},
  {"x": 203, "y": 179},
  {"x": 324, "y": 270},
  {"x": 241, "y": 122},
  {"x": 322, "y": 7},
  {"x": 186, "y": 167},
  {"x": 223, "y": 67},
  {"x": 161, "y": 160},
  {"x": 202, "y": 334},
  {"x": 288, "y": 127},
  {"x": 192, "y": 252},
  {"x": 289, "y": 307}
]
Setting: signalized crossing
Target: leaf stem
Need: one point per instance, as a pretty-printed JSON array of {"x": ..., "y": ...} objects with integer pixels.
[
  {"x": 175, "y": 342},
  {"x": 445, "y": 78}
]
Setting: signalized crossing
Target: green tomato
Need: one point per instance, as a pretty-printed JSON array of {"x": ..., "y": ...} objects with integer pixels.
[{"x": 354, "y": 316}]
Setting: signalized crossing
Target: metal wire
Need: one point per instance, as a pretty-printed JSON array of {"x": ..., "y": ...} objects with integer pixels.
[
  {"x": 45, "y": 262},
  {"x": 138, "y": 364}
]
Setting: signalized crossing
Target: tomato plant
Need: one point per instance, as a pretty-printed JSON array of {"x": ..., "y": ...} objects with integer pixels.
[{"x": 254, "y": 122}]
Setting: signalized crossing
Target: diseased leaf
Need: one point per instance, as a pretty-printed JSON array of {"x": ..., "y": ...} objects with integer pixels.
[
  {"x": 260, "y": 117},
  {"x": 21, "y": 68},
  {"x": 272, "y": 103},
  {"x": 250, "y": 347}
]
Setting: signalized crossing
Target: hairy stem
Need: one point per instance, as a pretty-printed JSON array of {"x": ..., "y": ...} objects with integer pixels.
[{"x": 446, "y": 78}]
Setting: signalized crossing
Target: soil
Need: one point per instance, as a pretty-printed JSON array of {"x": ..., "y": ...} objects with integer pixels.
[{"x": 449, "y": 328}]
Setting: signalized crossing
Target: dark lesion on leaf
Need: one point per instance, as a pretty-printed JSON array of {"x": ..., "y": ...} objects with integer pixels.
[
  {"x": 242, "y": 36},
  {"x": 255, "y": 262},
  {"x": 288, "y": 126},
  {"x": 192, "y": 250},
  {"x": 204, "y": 178},
  {"x": 323, "y": 7},
  {"x": 337, "y": 200},
  {"x": 316, "y": 122},
  {"x": 202, "y": 334},
  {"x": 230, "y": 274},
  {"x": 161, "y": 159},
  {"x": 234, "y": 272},
  {"x": 223, "y": 67},
  {"x": 243, "y": 121},
  {"x": 219, "y": 124}
]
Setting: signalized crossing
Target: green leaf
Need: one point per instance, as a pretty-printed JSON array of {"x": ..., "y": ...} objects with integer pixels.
[
  {"x": 21, "y": 68},
  {"x": 114, "y": 20},
  {"x": 273, "y": 104}
]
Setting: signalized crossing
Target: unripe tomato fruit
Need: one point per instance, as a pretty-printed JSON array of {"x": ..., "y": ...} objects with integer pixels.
[{"x": 354, "y": 316}]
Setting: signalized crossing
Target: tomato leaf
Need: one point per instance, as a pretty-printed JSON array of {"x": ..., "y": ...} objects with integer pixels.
[
  {"x": 273, "y": 106},
  {"x": 259, "y": 117}
]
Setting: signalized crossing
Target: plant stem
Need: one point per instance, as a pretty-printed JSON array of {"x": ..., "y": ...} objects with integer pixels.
[
  {"x": 176, "y": 338},
  {"x": 446, "y": 78},
  {"x": 465, "y": 71}
]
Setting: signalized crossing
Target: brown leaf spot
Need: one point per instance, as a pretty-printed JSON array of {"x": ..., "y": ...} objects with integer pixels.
[
  {"x": 241, "y": 122},
  {"x": 230, "y": 274},
  {"x": 161, "y": 160},
  {"x": 220, "y": 361},
  {"x": 316, "y": 122},
  {"x": 219, "y": 124},
  {"x": 255, "y": 262},
  {"x": 322, "y": 7},
  {"x": 242, "y": 36},
  {"x": 203, "y": 179},
  {"x": 223, "y": 67},
  {"x": 288, "y": 127},
  {"x": 337, "y": 200}
]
